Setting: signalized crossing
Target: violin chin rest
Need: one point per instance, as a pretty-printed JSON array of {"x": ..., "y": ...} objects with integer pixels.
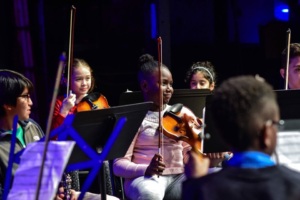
[
  {"x": 175, "y": 108},
  {"x": 91, "y": 96}
]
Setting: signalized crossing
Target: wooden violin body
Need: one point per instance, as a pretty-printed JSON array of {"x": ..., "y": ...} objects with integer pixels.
[
  {"x": 179, "y": 123},
  {"x": 92, "y": 101}
]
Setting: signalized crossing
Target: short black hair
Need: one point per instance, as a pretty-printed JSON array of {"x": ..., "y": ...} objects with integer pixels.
[
  {"x": 239, "y": 109},
  {"x": 12, "y": 84}
]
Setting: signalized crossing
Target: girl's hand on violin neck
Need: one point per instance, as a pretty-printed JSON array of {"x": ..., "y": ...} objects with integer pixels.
[
  {"x": 196, "y": 166},
  {"x": 156, "y": 166},
  {"x": 68, "y": 103},
  {"x": 216, "y": 158},
  {"x": 192, "y": 126}
]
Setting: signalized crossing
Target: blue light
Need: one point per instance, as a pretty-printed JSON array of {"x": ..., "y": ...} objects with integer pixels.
[
  {"x": 281, "y": 12},
  {"x": 153, "y": 21}
]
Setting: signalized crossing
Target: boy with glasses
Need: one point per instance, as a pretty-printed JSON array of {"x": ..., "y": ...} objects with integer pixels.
[{"x": 15, "y": 100}]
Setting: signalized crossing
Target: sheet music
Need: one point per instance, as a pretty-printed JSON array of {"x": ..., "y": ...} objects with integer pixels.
[
  {"x": 288, "y": 149},
  {"x": 26, "y": 176}
]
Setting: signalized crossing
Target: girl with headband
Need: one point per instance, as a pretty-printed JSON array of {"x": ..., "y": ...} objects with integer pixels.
[{"x": 201, "y": 75}]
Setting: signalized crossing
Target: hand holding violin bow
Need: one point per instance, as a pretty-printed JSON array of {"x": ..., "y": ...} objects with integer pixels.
[
  {"x": 156, "y": 166},
  {"x": 67, "y": 104}
]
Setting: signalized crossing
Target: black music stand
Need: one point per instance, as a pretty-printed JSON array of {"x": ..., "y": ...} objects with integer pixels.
[
  {"x": 288, "y": 141},
  {"x": 289, "y": 103},
  {"x": 194, "y": 99},
  {"x": 94, "y": 129},
  {"x": 213, "y": 141}
]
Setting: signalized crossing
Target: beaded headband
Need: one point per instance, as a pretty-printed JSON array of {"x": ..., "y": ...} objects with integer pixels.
[{"x": 205, "y": 69}]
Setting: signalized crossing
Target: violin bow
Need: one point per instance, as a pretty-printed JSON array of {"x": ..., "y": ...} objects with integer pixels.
[
  {"x": 288, "y": 43},
  {"x": 71, "y": 45},
  {"x": 49, "y": 122},
  {"x": 160, "y": 140},
  {"x": 55, "y": 93}
]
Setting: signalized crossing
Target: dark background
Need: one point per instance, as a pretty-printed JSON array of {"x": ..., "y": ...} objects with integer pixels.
[{"x": 237, "y": 36}]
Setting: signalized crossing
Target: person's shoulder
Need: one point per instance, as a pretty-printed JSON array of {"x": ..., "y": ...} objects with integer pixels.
[
  {"x": 3, "y": 134},
  {"x": 193, "y": 187},
  {"x": 26, "y": 124},
  {"x": 289, "y": 173}
]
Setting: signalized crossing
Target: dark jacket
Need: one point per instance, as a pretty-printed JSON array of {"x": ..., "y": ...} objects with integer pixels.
[
  {"x": 270, "y": 183},
  {"x": 32, "y": 133}
]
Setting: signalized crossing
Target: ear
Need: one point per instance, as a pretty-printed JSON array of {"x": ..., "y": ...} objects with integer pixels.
[
  {"x": 212, "y": 86},
  {"x": 267, "y": 139},
  {"x": 7, "y": 107},
  {"x": 282, "y": 73}
]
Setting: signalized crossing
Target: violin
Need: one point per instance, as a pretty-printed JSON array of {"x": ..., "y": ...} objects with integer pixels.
[
  {"x": 179, "y": 124},
  {"x": 92, "y": 101}
]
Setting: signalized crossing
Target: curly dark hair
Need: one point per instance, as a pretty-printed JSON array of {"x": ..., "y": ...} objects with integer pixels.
[
  {"x": 147, "y": 65},
  {"x": 240, "y": 107},
  {"x": 206, "y": 67},
  {"x": 294, "y": 52}
]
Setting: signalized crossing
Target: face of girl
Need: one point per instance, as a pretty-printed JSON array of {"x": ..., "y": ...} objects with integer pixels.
[
  {"x": 151, "y": 88},
  {"x": 23, "y": 106},
  {"x": 198, "y": 81},
  {"x": 81, "y": 80}
]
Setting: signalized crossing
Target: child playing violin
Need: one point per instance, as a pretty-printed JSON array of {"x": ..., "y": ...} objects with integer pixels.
[
  {"x": 81, "y": 98},
  {"x": 202, "y": 75},
  {"x": 149, "y": 174},
  {"x": 82, "y": 84}
]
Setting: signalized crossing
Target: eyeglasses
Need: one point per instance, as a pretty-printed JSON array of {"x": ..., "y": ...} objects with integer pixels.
[
  {"x": 279, "y": 124},
  {"x": 25, "y": 96}
]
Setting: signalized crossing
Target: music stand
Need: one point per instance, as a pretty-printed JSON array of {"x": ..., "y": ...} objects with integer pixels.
[
  {"x": 214, "y": 142},
  {"x": 288, "y": 142},
  {"x": 194, "y": 99},
  {"x": 288, "y": 101},
  {"x": 94, "y": 128}
]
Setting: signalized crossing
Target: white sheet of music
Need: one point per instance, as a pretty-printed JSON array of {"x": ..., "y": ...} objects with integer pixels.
[
  {"x": 26, "y": 176},
  {"x": 288, "y": 149}
]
